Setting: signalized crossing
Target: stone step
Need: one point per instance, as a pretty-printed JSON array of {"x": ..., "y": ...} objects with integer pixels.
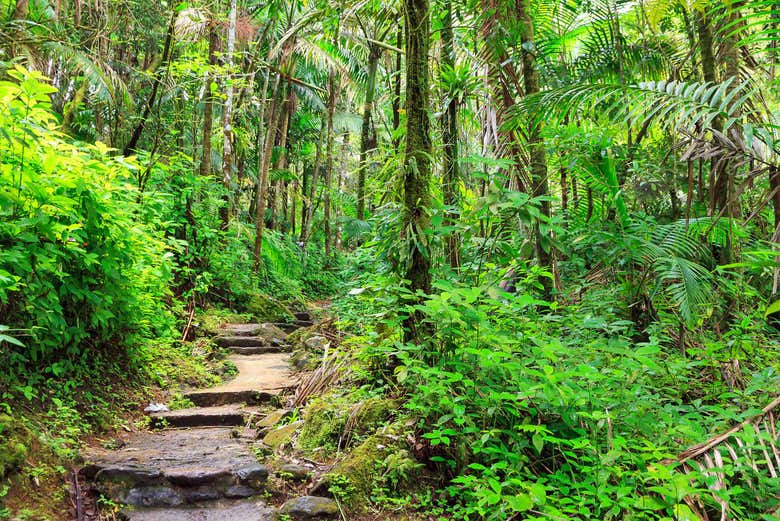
[
  {"x": 248, "y": 341},
  {"x": 176, "y": 467},
  {"x": 258, "y": 350},
  {"x": 240, "y": 329},
  {"x": 302, "y": 315},
  {"x": 213, "y": 398},
  {"x": 304, "y": 323},
  {"x": 237, "y": 510},
  {"x": 225, "y": 416},
  {"x": 261, "y": 379}
]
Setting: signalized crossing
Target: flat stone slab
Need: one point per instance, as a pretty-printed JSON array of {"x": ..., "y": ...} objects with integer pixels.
[
  {"x": 176, "y": 467},
  {"x": 248, "y": 341},
  {"x": 246, "y": 510},
  {"x": 261, "y": 378},
  {"x": 224, "y": 416},
  {"x": 259, "y": 350}
]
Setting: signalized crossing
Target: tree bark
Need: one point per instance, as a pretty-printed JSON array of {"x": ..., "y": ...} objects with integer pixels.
[
  {"x": 535, "y": 140},
  {"x": 374, "y": 54},
  {"x": 417, "y": 160},
  {"x": 329, "y": 162},
  {"x": 208, "y": 105},
  {"x": 450, "y": 142},
  {"x": 264, "y": 165},
  {"x": 306, "y": 228},
  {"x": 227, "y": 121}
]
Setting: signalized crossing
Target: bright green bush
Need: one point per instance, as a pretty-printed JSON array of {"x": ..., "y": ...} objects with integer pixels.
[{"x": 80, "y": 276}]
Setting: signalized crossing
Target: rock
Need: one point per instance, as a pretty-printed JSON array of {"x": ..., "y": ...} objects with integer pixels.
[
  {"x": 294, "y": 472},
  {"x": 244, "y": 510},
  {"x": 156, "y": 407},
  {"x": 282, "y": 435},
  {"x": 310, "y": 507},
  {"x": 175, "y": 467},
  {"x": 316, "y": 343},
  {"x": 252, "y": 474},
  {"x": 272, "y": 418},
  {"x": 151, "y": 496},
  {"x": 201, "y": 417}
]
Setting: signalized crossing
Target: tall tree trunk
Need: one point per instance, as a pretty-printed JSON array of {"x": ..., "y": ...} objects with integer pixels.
[
  {"x": 397, "y": 90},
  {"x": 535, "y": 140},
  {"x": 451, "y": 179},
  {"x": 306, "y": 228},
  {"x": 329, "y": 161},
  {"x": 278, "y": 194},
  {"x": 417, "y": 160},
  {"x": 227, "y": 121},
  {"x": 208, "y": 105},
  {"x": 264, "y": 165},
  {"x": 365, "y": 130}
]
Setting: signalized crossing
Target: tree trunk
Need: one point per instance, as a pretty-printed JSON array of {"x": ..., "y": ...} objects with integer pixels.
[
  {"x": 227, "y": 122},
  {"x": 365, "y": 130},
  {"x": 329, "y": 161},
  {"x": 208, "y": 106},
  {"x": 450, "y": 186},
  {"x": 397, "y": 91},
  {"x": 417, "y": 160},
  {"x": 535, "y": 140},
  {"x": 264, "y": 165},
  {"x": 306, "y": 228}
]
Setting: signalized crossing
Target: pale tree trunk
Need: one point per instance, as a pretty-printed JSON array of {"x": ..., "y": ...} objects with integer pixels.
[
  {"x": 208, "y": 105},
  {"x": 340, "y": 184},
  {"x": 227, "y": 120},
  {"x": 417, "y": 160}
]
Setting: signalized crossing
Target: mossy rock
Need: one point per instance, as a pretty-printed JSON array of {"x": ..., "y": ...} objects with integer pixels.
[
  {"x": 362, "y": 468},
  {"x": 281, "y": 436},
  {"x": 326, "y": 419},
  {"x": 267, "y": 309},
  {"x": 14, "y": 441}
]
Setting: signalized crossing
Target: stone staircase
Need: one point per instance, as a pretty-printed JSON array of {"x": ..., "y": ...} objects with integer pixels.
[{"x": 202, "y": 464}]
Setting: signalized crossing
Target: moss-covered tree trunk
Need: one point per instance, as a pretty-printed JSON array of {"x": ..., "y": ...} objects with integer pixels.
[{"x": 417, "y": 161}]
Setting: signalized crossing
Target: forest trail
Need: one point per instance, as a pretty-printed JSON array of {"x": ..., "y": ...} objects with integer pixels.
[{"x": 206, "y": 463}]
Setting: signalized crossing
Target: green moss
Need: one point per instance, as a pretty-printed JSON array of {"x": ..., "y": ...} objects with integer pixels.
[
  {"x": 14, "y": 440},
  {"x": 363, "y": 468},
  {"x": 264, "y": 308},
  {"x": 324, "y": 421},
  {"x": 329, "y": 418}
]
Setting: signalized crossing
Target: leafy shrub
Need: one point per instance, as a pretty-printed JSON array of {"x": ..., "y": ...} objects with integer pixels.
[{"x": 78, "y": 273}]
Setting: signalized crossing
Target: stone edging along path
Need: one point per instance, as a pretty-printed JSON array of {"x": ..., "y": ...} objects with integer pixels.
[{"x": 199, "y": 466}]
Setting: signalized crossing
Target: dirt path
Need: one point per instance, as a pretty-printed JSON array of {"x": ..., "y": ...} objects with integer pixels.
[{"x": 203, "y": 465}]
